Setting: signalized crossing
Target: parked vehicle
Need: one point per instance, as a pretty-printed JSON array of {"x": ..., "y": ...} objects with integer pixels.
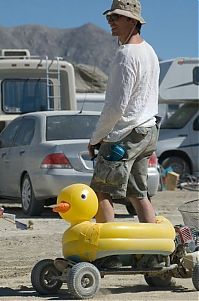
[
  {"x": 42, "y": 152},
  {"x": 34, "y": 83},
  {"x": 178, "y": 144},
  {"x": 179, "y": 80}
]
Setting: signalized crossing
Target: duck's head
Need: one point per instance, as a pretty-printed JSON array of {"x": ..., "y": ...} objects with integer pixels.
[{"x": 77, "y": 203}]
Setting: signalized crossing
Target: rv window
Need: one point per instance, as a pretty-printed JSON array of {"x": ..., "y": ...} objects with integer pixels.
[
  {"x": 164, "y": 67},
  {"x": 196, "y": 75},
  {"x": 181, "y": 117},
  {"x": 26, "y": 95}
]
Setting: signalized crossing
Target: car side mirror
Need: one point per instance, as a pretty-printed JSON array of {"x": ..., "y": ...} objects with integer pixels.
[
  {"x": 196, "y": 124},
  {"x": 196, "y": 76},
  {"x": 2, "y": 125}
]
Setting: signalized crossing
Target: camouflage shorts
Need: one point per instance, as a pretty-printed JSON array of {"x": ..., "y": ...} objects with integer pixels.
[{"x": 127, "y": 177}]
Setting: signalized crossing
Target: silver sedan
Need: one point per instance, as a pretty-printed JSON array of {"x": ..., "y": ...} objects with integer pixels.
[{"x": 43, "y": 152}]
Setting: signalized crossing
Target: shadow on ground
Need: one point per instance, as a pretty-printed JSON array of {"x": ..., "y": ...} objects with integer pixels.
[{"x": 25, "y": 292}]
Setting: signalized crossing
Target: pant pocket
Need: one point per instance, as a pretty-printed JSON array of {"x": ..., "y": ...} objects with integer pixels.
[
  {"x": 141, "y": 130},
  {"x": 111, "y": 172}
]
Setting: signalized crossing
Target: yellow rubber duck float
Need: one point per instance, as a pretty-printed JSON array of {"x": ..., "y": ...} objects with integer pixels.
[{"x": 86, "y": 240}]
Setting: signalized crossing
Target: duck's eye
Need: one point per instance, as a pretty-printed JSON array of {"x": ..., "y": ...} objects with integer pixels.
[{"x": 83, "y": 196}]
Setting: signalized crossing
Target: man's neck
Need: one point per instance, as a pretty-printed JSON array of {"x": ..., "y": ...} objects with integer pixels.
[
  {"x": 131, "y": 39},
  {"x": 135, "y": 39}
]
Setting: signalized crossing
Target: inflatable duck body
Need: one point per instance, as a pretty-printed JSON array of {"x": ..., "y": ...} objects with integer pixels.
[{"x": 86, "y": 240}]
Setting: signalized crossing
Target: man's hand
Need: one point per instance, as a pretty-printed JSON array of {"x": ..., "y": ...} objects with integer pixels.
[{"x": 1, "y": 212}]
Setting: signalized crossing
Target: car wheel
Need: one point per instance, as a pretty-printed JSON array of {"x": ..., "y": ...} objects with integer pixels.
[
  {"x": 178, "y": 165},
  {"x": 30, "y": 205}
]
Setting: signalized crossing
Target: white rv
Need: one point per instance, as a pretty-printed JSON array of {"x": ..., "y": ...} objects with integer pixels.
[
  {"x": 31, "y": 83},
  {"x": 90, "y": 101},
  {"x": 179, "y": 80},
  {"x": 178, "y": 145}
]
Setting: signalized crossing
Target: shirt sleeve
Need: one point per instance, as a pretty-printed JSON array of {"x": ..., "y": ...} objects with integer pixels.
[{"x": 119, "y": 89}]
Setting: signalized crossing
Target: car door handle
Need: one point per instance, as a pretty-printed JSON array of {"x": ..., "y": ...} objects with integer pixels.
[
  {"x": 182, "y": 135},
  {"x": 22, "y": 152},
  {"x": 3, "y": 155}
]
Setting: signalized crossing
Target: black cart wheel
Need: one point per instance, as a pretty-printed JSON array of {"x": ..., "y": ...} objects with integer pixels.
[
  {"x": 84, "y": 280},
  {"x": 195, "y": 276},
  {"x": 43, "y": 277},
  {"x": 164, "y": 280}
]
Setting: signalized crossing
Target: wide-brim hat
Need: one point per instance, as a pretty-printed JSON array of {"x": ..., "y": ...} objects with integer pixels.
[{"x": 128, "y": 8}]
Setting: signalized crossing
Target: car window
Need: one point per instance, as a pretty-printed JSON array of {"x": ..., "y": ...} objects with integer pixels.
[
  {"x": 180, "y": 118},
  {"x": 25, "y": 134},
  {"x": 8, "y": 134},
  {"x": 64, "y": 127}
]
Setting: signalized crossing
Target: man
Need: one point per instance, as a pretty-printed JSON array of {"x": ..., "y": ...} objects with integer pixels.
[{"x": 128, "y": 117}]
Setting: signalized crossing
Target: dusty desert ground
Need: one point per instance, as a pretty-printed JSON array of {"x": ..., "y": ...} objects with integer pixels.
[{"x": 21, "y": 249}]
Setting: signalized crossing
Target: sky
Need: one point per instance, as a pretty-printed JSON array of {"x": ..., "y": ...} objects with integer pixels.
[{"x": 171, "y": 28}]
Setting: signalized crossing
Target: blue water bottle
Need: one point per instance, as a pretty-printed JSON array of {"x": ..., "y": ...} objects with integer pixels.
[{"x": 117, "y": 153}]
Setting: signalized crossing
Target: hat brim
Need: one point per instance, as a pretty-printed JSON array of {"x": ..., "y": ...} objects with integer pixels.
[{"x": 125, "y": 13}]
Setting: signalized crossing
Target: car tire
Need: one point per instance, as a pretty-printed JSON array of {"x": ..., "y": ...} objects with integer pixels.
[
  {"x": 30, "y": 205},
  {"x": 178, "y": 165}
]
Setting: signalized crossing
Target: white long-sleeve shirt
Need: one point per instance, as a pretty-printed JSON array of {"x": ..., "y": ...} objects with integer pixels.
[{"x": 132, "y": 93}]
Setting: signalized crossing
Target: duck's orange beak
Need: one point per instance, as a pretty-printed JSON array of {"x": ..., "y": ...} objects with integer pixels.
[{"x": 62, "y": 207}]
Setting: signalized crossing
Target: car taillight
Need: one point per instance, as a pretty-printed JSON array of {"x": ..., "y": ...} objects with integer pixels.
[
  {"x": 152, "y": 161},
  {"x": 57, "y": 160}
]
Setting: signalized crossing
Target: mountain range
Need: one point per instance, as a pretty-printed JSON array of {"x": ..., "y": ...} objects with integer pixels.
[{"x": 87, "y": 44}]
